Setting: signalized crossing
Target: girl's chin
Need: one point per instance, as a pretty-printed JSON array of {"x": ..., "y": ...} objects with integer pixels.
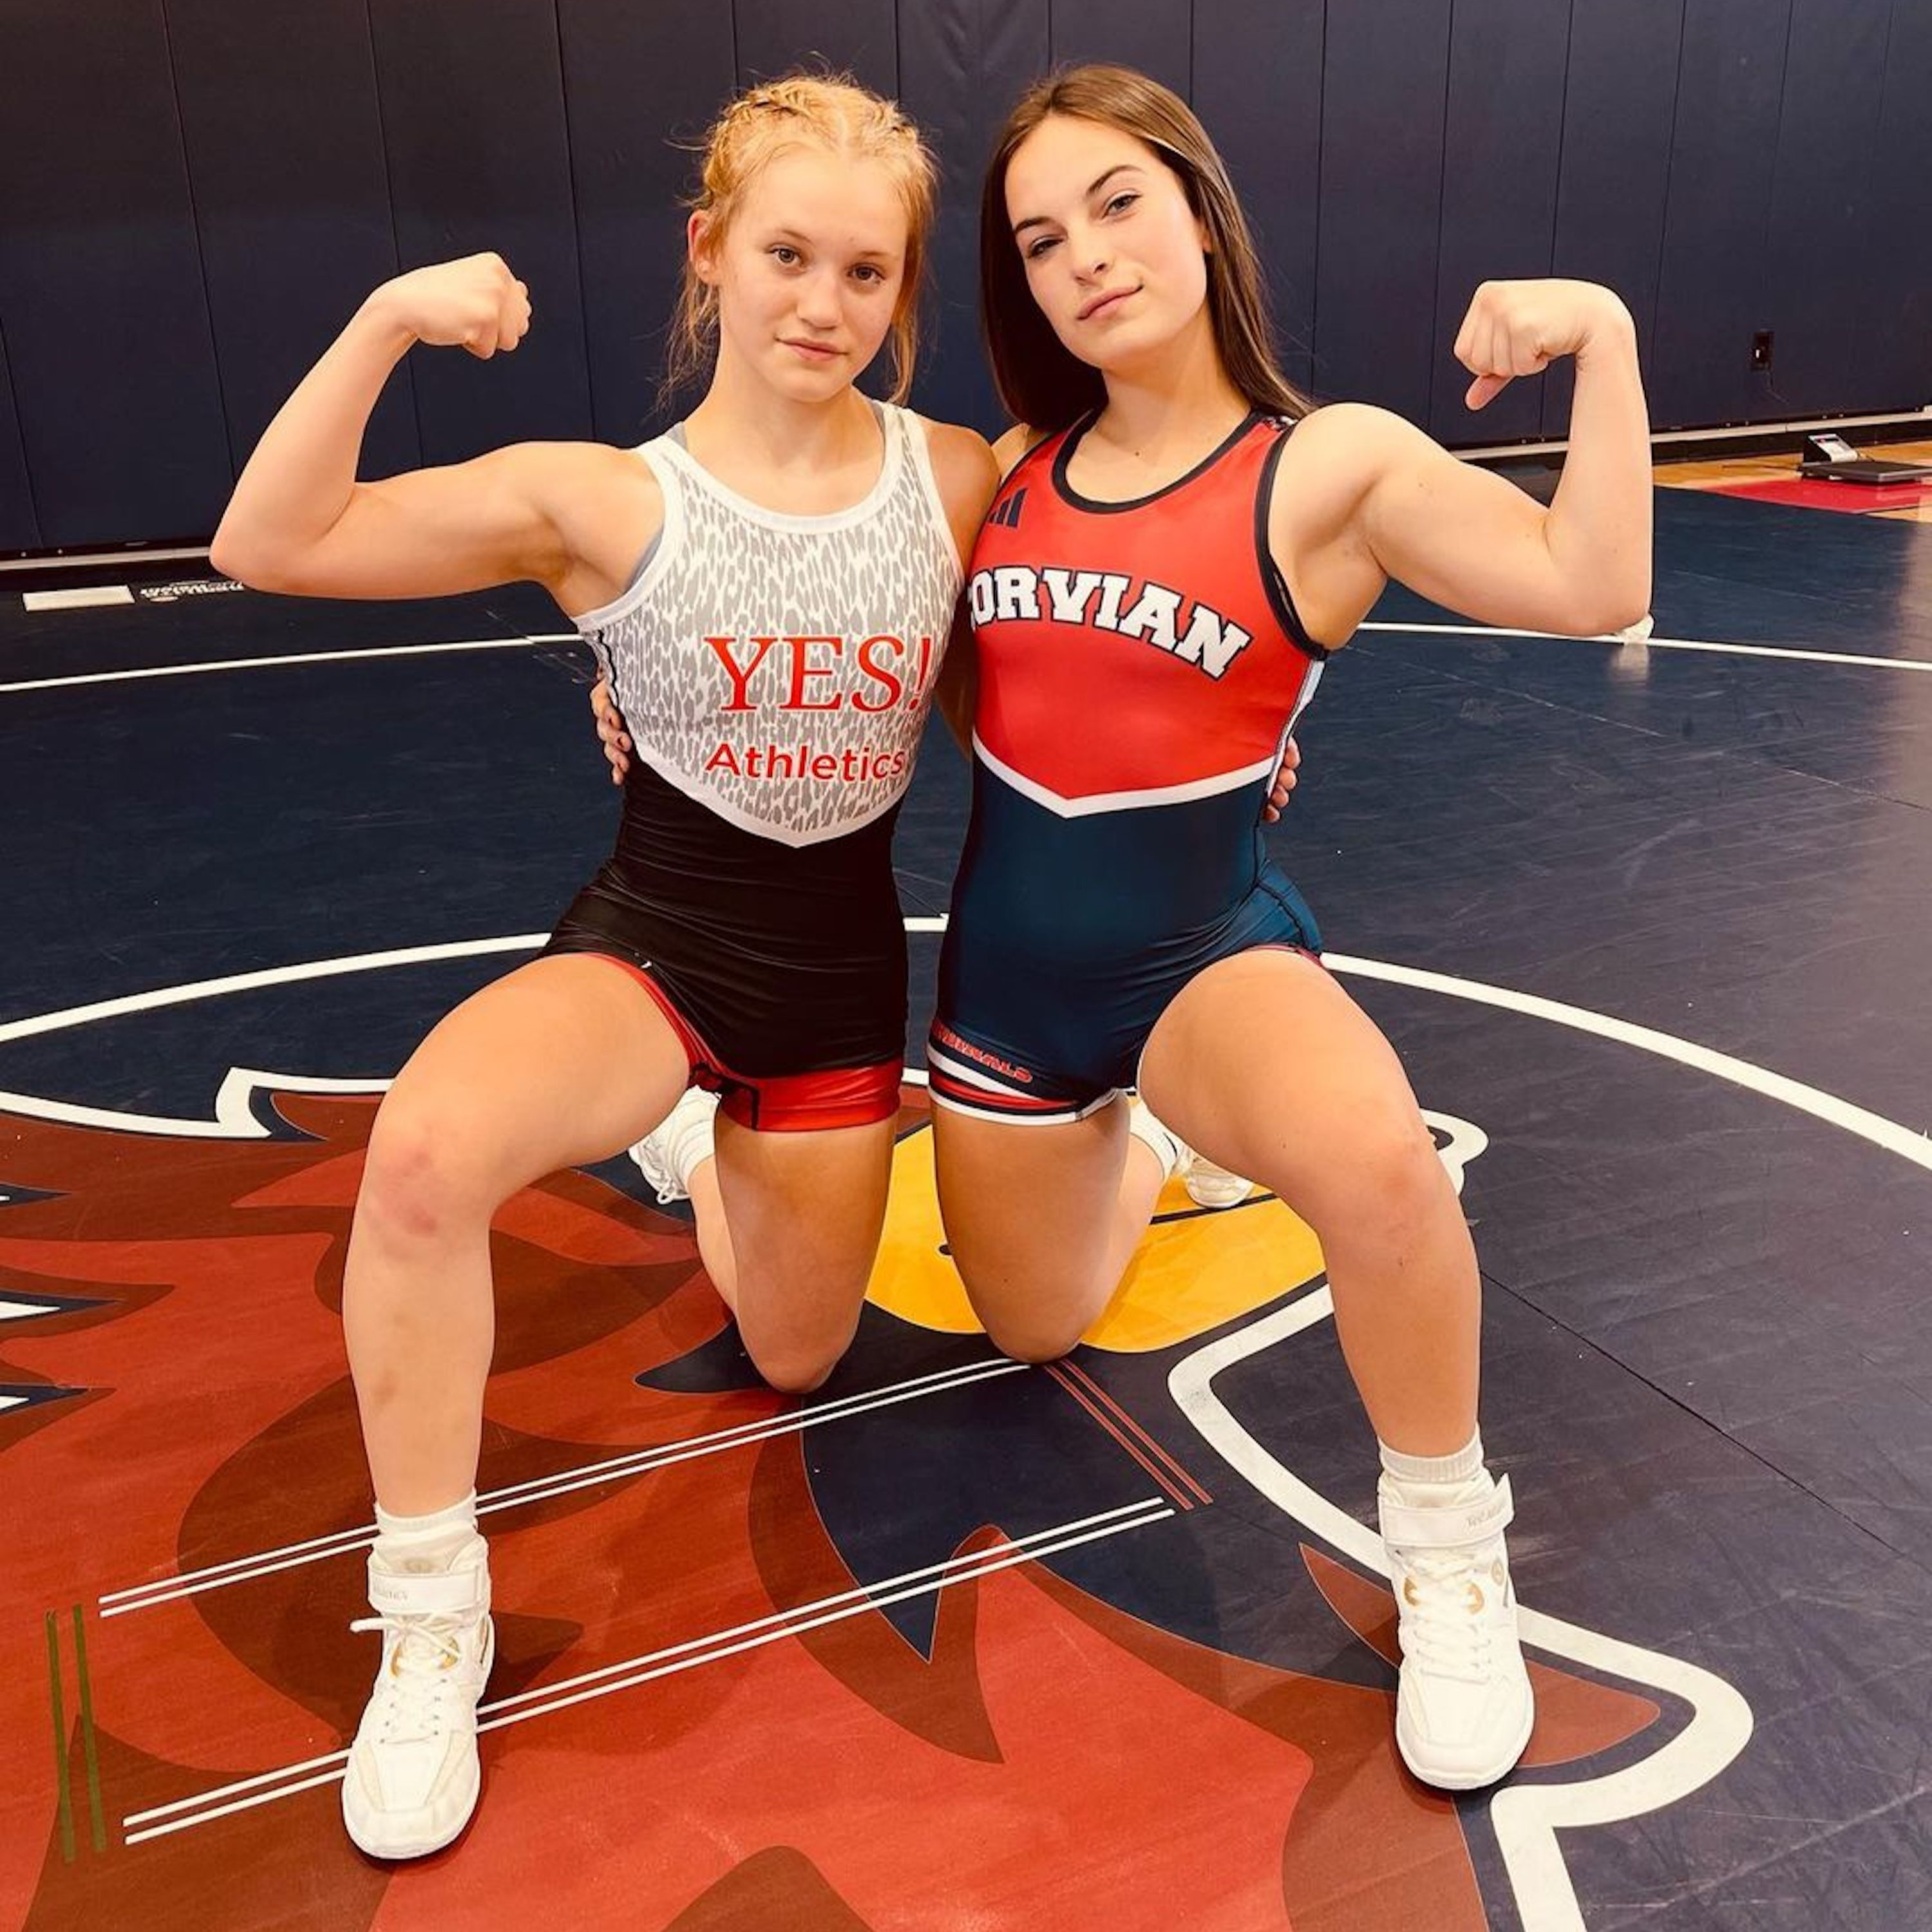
[
  {"x": 797, "y": 377},
  {"x": 1130, "y": 340},
  {"x": 1116, "y": 359}
]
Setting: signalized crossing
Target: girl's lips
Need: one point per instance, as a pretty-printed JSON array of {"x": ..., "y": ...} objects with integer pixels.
[{"x": 1100, "y": 305}]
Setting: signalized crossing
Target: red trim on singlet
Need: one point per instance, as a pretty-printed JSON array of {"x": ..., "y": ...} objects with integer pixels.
[
  {"x": 777, "y": 1103},
  {"x": 1001, "y": 1100}
]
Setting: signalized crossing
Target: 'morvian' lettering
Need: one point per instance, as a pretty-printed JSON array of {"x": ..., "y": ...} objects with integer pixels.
[{"x": 1109, "y": 601}]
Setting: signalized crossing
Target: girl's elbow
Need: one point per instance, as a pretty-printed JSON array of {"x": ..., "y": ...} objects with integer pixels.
[
  {"x": 233, "y": 556},
  {"x": 1606, "y": 616},
  {"x": 230, "y": 553},
  {"x": 1608, "y": 607},
  {"x": 1631, "y": 606}
]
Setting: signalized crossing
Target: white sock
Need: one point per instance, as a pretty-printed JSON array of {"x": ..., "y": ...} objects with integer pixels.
[
  {"x": 425, "y": 1544},
  {"x": 696, "y": 1141},
  {"x": 1159, "y": 1140},
  {"x": 1422, "y": 1480}
]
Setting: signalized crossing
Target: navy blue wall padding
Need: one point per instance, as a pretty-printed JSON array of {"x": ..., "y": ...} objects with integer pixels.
[
  {"x": 20, "y": 529},
  {"x": 193, "y": 196},
  {"x": 643, "y": 83},
  {"x": 1386, "y": 73},
  {"x": 284, "y": 146},
  {"x": 1819, "y": 232},
  {"x": 1502, "y": 148},
  {"x": 1620, "y": 107},
  {"x": 1258, "y": 90},
  {"x": 962, "y": 64},
  {"x": 100, "y": 281},
  {"x": 1154, "y": 35},
  {"x": 1893, "y": 332},
  {"x": 859, "y": 38},
  {"x": 473, "y": 120},
  {"x": 1712, "y": 293}
]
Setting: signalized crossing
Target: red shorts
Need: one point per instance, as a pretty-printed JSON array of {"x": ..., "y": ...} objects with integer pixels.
[{"x": 779, "y": 1103}]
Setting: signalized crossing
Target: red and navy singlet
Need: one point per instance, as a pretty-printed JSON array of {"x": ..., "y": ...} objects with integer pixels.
[{"x": 1140, "y": 666}]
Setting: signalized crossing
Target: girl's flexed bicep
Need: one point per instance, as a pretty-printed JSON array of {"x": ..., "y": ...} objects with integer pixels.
[
  {"x": 1466, "y": 537},
  {"x": 300, "y": 521}
]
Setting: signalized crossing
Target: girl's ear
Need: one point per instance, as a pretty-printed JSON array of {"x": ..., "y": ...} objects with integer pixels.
[{"x": 699, "y": 244}]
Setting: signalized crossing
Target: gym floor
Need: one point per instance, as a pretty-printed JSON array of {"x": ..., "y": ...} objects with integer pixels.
[
  {"x": 955, "y": 1643},
  {"x": 1774, "y": 479}
]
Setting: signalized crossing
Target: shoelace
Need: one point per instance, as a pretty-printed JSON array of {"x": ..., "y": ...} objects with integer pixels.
[
  {"x": 418, "y": 1675},
  {"x": 1445, "y": 1625}
]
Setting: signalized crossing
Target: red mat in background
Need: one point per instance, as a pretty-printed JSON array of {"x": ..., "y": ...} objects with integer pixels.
[{"x": 1812, "y": 493}]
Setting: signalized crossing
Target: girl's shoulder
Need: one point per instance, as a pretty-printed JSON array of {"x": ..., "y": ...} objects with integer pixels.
[
  {"x": 592, "y": 479},
  {"x": 606, "y": 506},
  {"x": 1020, "y": 441},
  {"x": 1347, "y": 439},
  {"x": 963, "y": 466}
]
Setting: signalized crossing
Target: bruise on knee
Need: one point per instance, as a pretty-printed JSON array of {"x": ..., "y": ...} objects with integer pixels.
[{"x": 411, "y": 1188}]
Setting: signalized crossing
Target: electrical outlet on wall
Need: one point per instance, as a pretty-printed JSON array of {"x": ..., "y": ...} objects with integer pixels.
[{"x": 1761, "y": 349}]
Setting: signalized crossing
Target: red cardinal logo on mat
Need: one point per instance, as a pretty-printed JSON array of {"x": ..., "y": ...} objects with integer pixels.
[{"x": 701, "y": 1718}]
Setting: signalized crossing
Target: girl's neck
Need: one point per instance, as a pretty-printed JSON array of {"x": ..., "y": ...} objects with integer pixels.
[
  {"x": 743, "y": 426},
  {"x": 1170, "y": 407}
]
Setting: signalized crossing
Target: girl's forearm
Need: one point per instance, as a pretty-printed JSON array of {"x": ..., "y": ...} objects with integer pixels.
[{"x": 1598, "y": 530}]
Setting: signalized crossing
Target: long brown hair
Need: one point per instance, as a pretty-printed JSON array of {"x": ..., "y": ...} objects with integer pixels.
[
  {"x": 830, "y": 111},
  {"x": 1041, "y": 381}
]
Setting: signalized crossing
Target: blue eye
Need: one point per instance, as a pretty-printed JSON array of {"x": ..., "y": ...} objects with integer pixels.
[
  {"x": 1126, "y": 199},
  {"x": 784, "y": 257}
]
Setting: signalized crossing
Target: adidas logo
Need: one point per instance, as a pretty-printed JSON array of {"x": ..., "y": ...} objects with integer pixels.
[{"x": 1007, "y": 514}]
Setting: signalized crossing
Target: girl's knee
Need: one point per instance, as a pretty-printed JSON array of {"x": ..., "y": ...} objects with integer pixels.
[
  {"x": 1395, "y": 1193},
  {"x": 424, "y": 1178},
  {"x": 1042, "y": 1330},
  {"x": 1034, "y": 1337},
  {"x": 795, "y": 1342},
  {"x": 1031, "y": 1310},
  {"x": 1409, "y": 1174},
  {"x": 796, "y": 1369}
]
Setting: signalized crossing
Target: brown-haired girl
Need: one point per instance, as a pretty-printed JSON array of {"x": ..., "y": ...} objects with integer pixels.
[
  {"x": 1178, "y": 547},
  {"x": 770, "y": 589}
]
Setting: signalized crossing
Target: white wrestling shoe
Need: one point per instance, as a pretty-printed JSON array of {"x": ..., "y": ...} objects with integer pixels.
[
  {"x": 1211, "y": 1187},
  {"x": 667, "y": 1155},
  {"x": 412, "y": 1778},
  {"x": 1463, "y": 1709}
]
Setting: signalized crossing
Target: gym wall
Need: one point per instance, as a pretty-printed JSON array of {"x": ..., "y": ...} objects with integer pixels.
[{"x": 195, "y": 194}]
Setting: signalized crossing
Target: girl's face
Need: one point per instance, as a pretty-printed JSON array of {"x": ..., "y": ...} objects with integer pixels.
[
  {"x": 1114, "y": 257},
  {"x": 809, "y": 271}
]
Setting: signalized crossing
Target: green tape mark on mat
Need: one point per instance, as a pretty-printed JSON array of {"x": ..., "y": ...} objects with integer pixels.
[
  {"x": 60, "y": 1740},
  {"x": 96, "y": 1818}
]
